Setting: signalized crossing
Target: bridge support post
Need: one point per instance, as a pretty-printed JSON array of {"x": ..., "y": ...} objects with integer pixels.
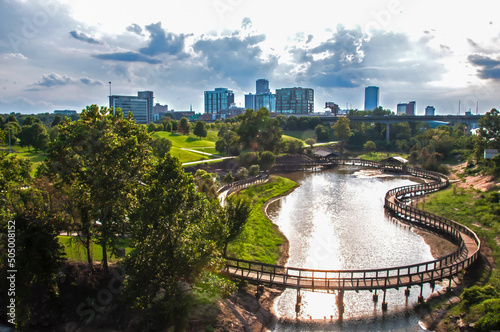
[
  {"x": 387, "y": 132},
  {"x": 407, "y": 292},
  {"x": 384, "y": 303},
  {"x": 298, "y": 303},
  {"x": 340, "y": 303},
  {"x": 421, "y": 296},
  {"x": 375, "y": 296}
]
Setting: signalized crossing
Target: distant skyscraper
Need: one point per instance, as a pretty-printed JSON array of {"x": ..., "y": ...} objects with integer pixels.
[
  {"x": 267, "y": 100},
  {"x": 220, "y": 98},
  {"x": 410, "y": 108},
  {"x": 430, "y": 111},
  {"x": 250, "y": 101},
  {"x": 371, "y": 97},
  {"x": 407, "y": 108},
  {"x": 294, "y": 101},
  {"x": 141, "y": 105},
  {"x": 262, "y": 87}
]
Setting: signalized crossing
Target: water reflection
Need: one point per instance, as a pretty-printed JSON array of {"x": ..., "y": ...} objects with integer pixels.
[{"x": 336, "y": 220}]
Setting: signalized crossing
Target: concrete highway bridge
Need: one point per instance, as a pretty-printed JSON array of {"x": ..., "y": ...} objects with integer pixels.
[
  {"x": 381, "y": 279},
  {"x": 469, "y": 120}
]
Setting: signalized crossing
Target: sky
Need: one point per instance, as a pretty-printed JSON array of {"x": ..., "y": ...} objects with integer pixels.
[{"x": 62, "y": 54}]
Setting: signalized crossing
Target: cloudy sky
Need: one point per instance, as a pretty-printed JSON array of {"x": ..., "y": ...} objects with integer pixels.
[{"x": 61, "y": 54}]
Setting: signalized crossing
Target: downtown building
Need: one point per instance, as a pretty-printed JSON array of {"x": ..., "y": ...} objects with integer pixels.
[
  {"x": 371, "y": 98},
  {"x": 141, "y": 106},
  {"x": 217, "y": 100},
  {"x": 262, "y": 97},
  {"x": 294, "y": 101},
  {"x": 406, "y": 108}
]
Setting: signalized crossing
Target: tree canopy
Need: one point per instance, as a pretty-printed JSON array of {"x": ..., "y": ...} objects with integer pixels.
[{"x": 103, "y": 155}]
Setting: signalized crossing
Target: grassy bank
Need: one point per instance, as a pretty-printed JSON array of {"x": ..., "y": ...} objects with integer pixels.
[
  {"x": 76, "y": 252},
  {"x": 180, "y": 142},
  {"x": 480, "y": 212},
  {"x": 260, "y": 240}
]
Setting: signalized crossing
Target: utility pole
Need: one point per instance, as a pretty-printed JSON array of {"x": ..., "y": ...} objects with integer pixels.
[
  {"x": 110, "y": 99},
  {"x": 10, "y": 145}
]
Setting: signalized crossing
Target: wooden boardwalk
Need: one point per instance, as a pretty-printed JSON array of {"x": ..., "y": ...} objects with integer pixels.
[{"x": 468, "y": 245}]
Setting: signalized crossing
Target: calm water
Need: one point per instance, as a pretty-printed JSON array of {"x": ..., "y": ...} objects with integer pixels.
[{"x": 336, "y": 220}]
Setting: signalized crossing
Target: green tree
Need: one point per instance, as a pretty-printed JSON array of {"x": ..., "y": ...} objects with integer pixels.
[
  {"x": 177, "y": 234},
  {"x": 205, "y": 183},
  {"x": 370, "y": 146},
  {"x": 41, "y": 137},
  {"x": 200, "y": 129},
  {"x": 342, "y": 130},
  {"x": 310, "y": 142},
  {"x": 259, "y": 132},
  {"x": 184, "y": 126},
  {"x": 160, "y": 146},
  {"x": 57, "y": 120},
  {"x": 237, "y": 211},
  {"x": 104, "y": 155},
  {"x": 489, "y": 128},
  {"x": 37, "y": 220},
  {"x": 267, "y": 160}
]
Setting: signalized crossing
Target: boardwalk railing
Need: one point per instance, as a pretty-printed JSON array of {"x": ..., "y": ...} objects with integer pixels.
[
  {"x": 468, "y": 245},
  {"x": 237, "y": 185}
]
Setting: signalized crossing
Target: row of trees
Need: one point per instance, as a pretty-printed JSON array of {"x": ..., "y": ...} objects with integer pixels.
[{"x": 103, "y": 179}]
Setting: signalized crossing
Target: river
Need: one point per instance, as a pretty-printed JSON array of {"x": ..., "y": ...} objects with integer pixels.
[{"x": 335, "y": 219}]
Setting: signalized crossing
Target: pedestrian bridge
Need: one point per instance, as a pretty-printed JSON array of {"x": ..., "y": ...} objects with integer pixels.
[{"x": 446, "y": 267}]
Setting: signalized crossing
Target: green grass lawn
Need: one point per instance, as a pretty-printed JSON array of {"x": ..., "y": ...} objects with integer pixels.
[
  {"x": 179, "y": 142},
  {"x": 378, "y": 156},
  {"x": 75, "y": 251},
  {"x": 260, "y": 239},
  {"x": 36, "y": 158},
  {"x": 300, "y": 134}
]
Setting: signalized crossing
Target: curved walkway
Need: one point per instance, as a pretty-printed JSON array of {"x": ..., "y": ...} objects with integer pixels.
[{"x": 384, "y": 278}]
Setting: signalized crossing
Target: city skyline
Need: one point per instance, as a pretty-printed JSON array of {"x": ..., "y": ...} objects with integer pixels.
[{"x": 62, "y": 54}]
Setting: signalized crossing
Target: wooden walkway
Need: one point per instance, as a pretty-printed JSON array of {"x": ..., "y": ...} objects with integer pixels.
[{"x": 384, "y": 278}]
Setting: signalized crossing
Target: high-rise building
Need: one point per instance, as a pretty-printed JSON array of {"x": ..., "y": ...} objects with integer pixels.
[
  {"x": 141, "y": 105},
  {"x": 294, "y": 100},
  {"x": 220, "y": 98},
  {"x": 262, "y": 86},
  {"x": 406, "y": 108},
  {"x": 430, "y": 111},
  {"x": 371, "y": 97},
  {"x": 267, "y": 100},
  {"x": 250, "y": 101},
  {"x": 410, "y": 108}
]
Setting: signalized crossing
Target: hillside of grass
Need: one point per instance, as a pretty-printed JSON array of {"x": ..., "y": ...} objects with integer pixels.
[
  {"x": 261, "y": 240},
  {"x": 479, "y": 211}
]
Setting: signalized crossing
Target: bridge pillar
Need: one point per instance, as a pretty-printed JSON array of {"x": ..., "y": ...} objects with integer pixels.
[
  {"x": 407, "y": 292},
  {"x": 298, "y": 304},
  {"x": 384, "y": 303},
  {"x": 375, "y": 296},
  {"x": 387, "y": 132},
  {"x": 421, "y": 296},
  {"x": 340, "y": 303}
]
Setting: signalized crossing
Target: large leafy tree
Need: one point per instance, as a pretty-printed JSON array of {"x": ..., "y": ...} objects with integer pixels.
[
  {"x": 103, "y": 155},
  {"x": 489, "y": 128},
  {"x": 177, "y": 234},
  {"x": 343, "y": 131},
  {"x": 200, "y": 129},
  {"x": 259, "y": 132},
  {"x": 237, "y": 212}
]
